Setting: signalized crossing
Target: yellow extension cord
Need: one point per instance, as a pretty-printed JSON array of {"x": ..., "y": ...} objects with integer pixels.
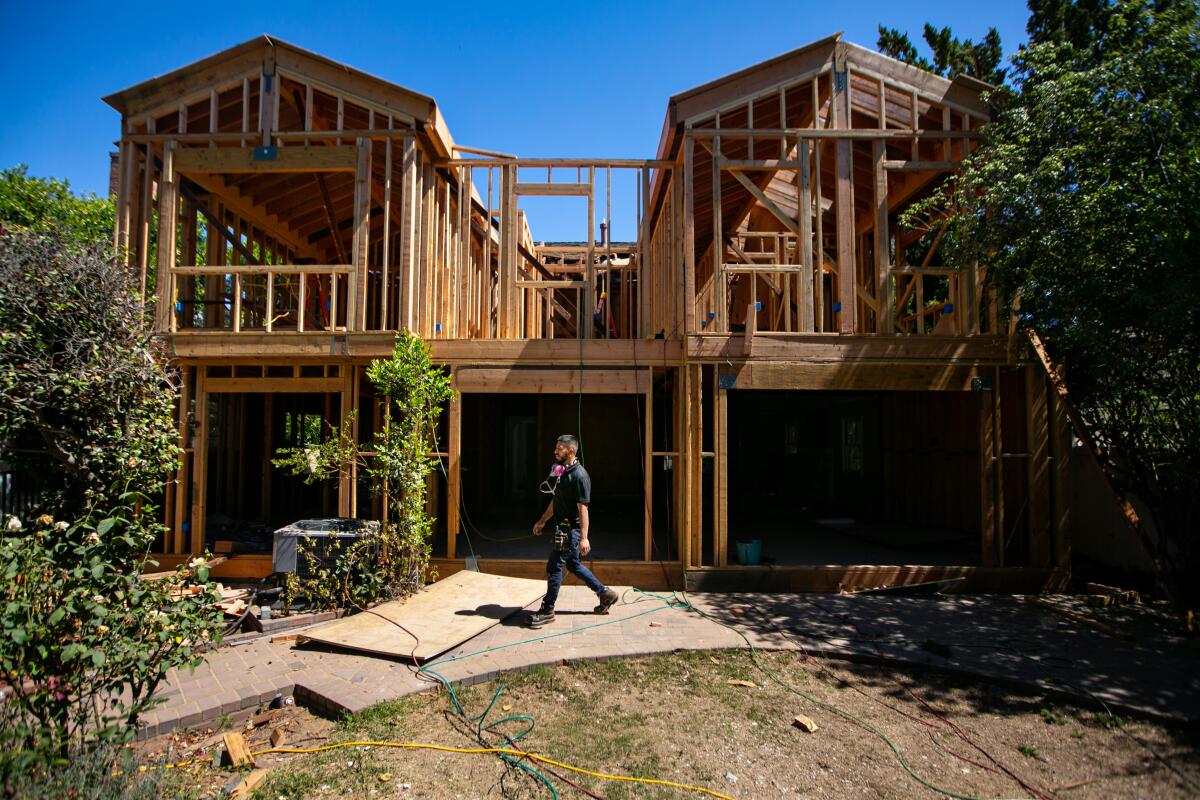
[{"x": 469, "y": 750}]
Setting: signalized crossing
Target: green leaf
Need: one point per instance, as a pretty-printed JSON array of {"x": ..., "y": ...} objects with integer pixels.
[{"x": 57, "y": 616}]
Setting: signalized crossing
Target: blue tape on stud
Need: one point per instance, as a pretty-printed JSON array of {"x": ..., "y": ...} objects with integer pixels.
[
  {"x": 948, "y": 308},
  {"x": 179, "y": 306},
  {"x": 703, "y": 323},
  {"x": 837, "y": 307},
  {"x": 758, "y": 305},
  {"x": 712, "y": 314},
  {"x": 437, "y": 327}
]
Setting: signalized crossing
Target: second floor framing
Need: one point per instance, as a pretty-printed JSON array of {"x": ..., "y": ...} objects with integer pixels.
[{"x": 311, "y": 199}]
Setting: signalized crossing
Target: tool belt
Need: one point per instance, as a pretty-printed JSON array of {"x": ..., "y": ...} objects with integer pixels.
[{"x": 562, "y": 534}]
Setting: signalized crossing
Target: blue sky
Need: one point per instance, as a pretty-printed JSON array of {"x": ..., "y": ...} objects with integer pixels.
[{"x": 535, "y": 79}]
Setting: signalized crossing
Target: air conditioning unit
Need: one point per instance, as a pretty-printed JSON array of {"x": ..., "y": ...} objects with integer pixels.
[{"x": 321, "y": 537}]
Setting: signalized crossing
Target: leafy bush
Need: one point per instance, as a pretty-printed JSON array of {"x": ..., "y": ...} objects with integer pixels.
[
  {"x": 391, "y": 562},
  {"x": 86, "y": 405}
]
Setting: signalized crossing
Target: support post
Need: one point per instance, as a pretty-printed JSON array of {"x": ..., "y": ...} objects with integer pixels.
[
  {"x": 804, "y": 213},
  {"x": 167, "y": 210},
  {"x": 199, "y": 464},
  {"x": 454, "y": 479},
  {"x": 987, "y": 463},
  {"x": 689, "y": 236},
  {"x": 884, "y": 319},
  {"x": 1037, "y": 431}
]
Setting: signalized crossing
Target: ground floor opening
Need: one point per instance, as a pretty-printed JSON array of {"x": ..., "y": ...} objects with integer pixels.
[{"x": 854, "y": 477}]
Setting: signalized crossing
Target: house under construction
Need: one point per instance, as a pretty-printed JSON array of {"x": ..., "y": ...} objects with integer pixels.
[{"x": 767, "y": 357}]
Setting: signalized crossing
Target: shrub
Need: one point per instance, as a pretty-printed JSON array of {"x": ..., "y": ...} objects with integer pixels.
[{"x": 391, "y": 562}]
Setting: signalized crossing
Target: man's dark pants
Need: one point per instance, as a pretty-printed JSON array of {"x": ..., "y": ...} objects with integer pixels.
[{"x": 569, "y": 558}]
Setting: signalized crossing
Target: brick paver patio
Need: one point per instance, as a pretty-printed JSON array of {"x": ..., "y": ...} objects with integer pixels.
[{"x": 995, "y": 638}]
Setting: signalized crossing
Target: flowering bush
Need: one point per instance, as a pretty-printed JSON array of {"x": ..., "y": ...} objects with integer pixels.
[{"x": 84, "y": 640}]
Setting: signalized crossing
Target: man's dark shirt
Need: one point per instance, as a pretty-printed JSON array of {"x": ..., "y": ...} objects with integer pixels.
[{"x": 575, "y": 486}]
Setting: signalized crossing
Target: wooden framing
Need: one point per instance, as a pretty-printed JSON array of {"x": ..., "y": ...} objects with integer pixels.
[{"x": 763, "y": 256}]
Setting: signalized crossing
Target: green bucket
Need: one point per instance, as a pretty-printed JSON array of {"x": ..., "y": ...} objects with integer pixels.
[{"x": 749, "y": 552}]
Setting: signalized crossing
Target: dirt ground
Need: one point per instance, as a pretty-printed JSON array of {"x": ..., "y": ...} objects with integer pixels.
[{"x": 678, "y": 718}]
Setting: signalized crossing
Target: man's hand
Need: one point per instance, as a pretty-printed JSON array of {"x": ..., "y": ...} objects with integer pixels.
[
  {"x": 537, "y": 527},
  {"x": 585, "y": 547}
]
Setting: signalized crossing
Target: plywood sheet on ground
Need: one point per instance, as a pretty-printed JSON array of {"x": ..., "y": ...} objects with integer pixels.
[{"x": 440, "y": 616}]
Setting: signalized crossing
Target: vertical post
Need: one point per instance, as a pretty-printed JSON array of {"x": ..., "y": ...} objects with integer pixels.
[
  {"x": 987, "y": 463},
  {"x": 720, "y": 295},
  {"x": 804, "y": 211},
  {"x": 648, "y": 470},
  {"x": 268, "y": 94},
  {"x": 507, "y": 253},
  {"x": 844, "y": 195},
  {"x": 588, "y": 329},
  {"x": 689, "y": 235},
  {"x": 345, "y": 481},
  {"x": 720, "y": 472},
  {"x": 884, "y": 324},
  {"x": 998, "y": 468},
  {"x": 454, "y": 479},
  {"x": 356, "y": 303},
  {"x": 1037, "y": 432},
  {"x": 408, "y": 231},
  {"x": 697, "y": 473},
  {"x": 643, "y": 263},
  {"x": 167, "y": 211},
  {"x": 1060, "y": 479},
  {"x": 268, "y": 433},
  {"x": 182, "y": 475},
  {"x": 199, "y": 464},
  {"x": 386, "y": 257}
]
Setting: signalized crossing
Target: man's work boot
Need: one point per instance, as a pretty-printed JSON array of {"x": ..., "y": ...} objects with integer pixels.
[
  {"x": 608, "y": 599},
  {"x": 543, "y": 616}
]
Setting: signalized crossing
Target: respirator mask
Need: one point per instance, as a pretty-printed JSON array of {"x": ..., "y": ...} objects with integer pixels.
[{"x": 550, "y": 484}]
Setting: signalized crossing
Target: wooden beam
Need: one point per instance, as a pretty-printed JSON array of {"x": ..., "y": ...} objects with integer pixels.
[
  {"x": 801, "y": 376},
  {"x": 296, "y": 158},
  {"x": 272, "y": 385},
  {"x": 551, "y": 381},
  {"x": 554, "y": 189}
]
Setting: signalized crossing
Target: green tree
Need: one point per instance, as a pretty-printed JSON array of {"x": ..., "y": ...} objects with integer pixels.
[
  {"x": 951, "y": 56},
  {"x": 46, "y": 205},
  {"x": 1082, "y": 199}
]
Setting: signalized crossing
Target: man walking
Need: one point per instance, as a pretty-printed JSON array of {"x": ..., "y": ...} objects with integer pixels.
[{"x": 571, "y": 488}]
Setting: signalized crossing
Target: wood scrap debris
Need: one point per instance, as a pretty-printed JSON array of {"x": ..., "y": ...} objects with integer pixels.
[
  {"x": 1101, "y": 596},
  {"x": 805, "y": 724},
  {"x": 1074, "y": 616},
  {"x": 739, "y": 682},
  {"x": 246, "y": 786},
  {"x": 237, "y": 752}
]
